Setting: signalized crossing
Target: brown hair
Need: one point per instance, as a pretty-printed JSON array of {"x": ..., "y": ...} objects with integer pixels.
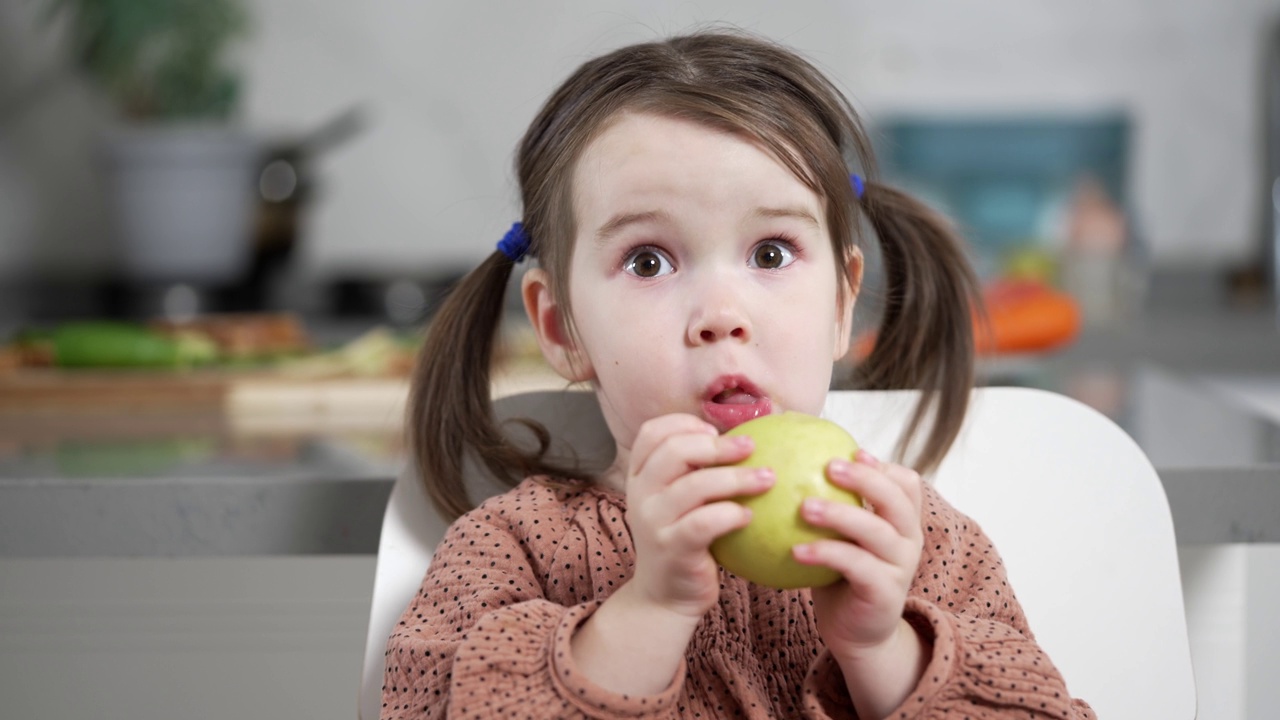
[{"x": 755, "y": 89}]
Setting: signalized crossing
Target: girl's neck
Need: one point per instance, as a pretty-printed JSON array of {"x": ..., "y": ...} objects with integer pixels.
[{"x": 614, "y": 477}]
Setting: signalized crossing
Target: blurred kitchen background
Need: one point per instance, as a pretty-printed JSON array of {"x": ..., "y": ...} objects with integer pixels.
[
  {"x": 397, "y": 122},
  {"x": 1112, "y": 164}
]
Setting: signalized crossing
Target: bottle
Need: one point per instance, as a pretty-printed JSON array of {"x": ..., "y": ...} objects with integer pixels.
[{"x": 1095, "y": 262}]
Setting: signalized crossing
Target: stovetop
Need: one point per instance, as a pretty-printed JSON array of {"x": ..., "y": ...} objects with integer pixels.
[{"x": 395, "y": 301}]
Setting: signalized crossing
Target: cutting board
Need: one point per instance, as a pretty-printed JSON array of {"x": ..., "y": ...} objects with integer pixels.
[
  {"x": 47, "y": 389},
  {"x": 62, "y": 391},
  {"x": 236, "y": 393}
]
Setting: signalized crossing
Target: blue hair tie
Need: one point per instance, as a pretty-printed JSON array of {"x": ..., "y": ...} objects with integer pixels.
[
  {"x": 858, "y": 187},
  {"x": 515, "y": 243}
]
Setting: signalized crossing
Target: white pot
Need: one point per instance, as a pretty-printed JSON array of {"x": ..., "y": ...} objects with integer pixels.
[{"x": 183, "y": 199}]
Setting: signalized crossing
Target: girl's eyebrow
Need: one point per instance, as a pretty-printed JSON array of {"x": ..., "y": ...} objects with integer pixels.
[
  {"x": 798, "y": 213},
  {"x": 618, "y": 222}
]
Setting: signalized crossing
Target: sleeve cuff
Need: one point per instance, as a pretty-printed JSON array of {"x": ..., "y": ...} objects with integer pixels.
[
  {"x": 590, "y": 698},
  {"x": 935, "y": 627},
  {"x": 827, "y": 696}
]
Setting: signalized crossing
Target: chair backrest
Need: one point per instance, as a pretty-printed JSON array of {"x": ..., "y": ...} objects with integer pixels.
[
  {"x": 1071, "y": 502},
  {"x": 411, "y": 529}
]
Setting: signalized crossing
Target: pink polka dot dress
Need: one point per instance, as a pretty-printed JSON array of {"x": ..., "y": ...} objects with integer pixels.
[{"x": 487, "y": 635}]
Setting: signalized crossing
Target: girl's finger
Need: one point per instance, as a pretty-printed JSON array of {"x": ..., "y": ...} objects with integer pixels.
[
  {"x": 886, "y": 496},
  {"x": 678, "y": 454},
  {"x": 866, "y": 573},
  {"x": 698, "y": 528},
  {"x": 908, "y": 479},
  {"x": 656, "y": 430},
  {"x": 910, "y": 482},
  {"x": 859, "y": 527},
  {"x": 702, "y": 487}
]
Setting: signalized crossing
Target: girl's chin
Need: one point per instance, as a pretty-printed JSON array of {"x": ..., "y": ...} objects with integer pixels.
[{"x": 726, "y": 416}]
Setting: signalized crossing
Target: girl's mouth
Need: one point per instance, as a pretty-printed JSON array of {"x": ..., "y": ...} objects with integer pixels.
[{"x": 731, "y": 401}]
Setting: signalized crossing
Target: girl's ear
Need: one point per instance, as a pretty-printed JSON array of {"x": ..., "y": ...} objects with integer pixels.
[
  {"x": 845, "y": 303},
  {"x": 548, "y": 323}
]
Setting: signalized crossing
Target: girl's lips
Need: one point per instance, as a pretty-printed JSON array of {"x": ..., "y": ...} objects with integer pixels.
[
  {"x": 732, "y": 400},
  {"x": 726, "y": 416}
]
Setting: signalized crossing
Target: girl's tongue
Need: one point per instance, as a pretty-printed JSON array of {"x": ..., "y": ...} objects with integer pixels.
[
  {"x": 734, "y": 406},
  {"x": 735, "y": 396}
]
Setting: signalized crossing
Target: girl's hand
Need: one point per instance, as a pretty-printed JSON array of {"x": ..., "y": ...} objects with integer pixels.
[
  {"x": 678, "y": 502},
  {"x": 862, "y": 617}
]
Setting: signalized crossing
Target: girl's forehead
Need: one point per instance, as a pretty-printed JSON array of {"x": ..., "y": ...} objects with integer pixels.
[
  {"x": 632, "y": 131},
  {"x": 638, "y": 153}
]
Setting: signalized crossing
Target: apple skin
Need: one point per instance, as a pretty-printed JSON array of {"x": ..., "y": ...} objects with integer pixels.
[{"x": 798, "y": 447}]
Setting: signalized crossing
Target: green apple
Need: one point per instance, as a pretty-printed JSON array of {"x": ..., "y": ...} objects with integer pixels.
[{"x": 798, "y": 448}]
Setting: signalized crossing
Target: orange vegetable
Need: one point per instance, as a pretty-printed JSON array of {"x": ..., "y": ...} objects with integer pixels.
[{"x": 1023, "y": 316}]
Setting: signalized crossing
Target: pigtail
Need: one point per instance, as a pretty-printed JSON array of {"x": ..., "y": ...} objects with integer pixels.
[
  {"x": 925, "y": 340},
  {"x": 450, "y": 412},
  {"x": 449, "y": 403}
]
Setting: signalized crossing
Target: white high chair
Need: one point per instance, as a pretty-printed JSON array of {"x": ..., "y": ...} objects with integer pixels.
[{"x": 1070, "y": 501}]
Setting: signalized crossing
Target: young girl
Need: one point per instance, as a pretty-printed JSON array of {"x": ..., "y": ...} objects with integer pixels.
[{"x": 696, "y": 233}]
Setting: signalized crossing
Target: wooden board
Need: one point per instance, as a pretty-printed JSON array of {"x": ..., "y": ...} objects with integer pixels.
[
  {"x": 242, "y": 394},
  {"x": 45, "y": 390}
]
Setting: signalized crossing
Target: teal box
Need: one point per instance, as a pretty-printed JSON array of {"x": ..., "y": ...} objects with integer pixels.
[{"x": 1002, "y": 179}]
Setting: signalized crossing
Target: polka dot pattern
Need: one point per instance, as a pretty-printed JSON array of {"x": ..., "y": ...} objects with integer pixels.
[{"x": 488, "y": 634}]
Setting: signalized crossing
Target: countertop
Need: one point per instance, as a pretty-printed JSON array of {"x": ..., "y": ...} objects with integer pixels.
[{"x": 279, "y": 484}]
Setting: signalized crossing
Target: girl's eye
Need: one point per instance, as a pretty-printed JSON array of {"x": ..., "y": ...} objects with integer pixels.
[
  {"x": 647, "y": 263},
  {"x": 772, "y": 255}
]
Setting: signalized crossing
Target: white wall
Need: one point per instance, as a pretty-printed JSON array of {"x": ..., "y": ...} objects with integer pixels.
[{"x": 448, "y": 88}]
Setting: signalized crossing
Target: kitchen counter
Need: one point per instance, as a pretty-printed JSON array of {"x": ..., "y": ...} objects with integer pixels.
[{"x": 306, "y": 483}]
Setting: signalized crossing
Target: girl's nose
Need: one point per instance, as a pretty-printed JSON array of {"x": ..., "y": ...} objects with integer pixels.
[{"x": 719, "y": 316}]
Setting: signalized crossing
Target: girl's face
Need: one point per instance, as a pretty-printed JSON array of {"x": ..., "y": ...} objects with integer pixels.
[{"x": 702, "y": 280}]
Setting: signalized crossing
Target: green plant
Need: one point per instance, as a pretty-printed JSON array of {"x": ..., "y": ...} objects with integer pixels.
[{"x": 158, "y": 59}]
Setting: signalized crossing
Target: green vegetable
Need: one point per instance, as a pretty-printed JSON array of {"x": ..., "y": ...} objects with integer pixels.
[{"x": 107, "y": 344}]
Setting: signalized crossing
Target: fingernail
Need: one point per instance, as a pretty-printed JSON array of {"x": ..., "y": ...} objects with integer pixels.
[
  {"x": 764, "y": 476},
  {"x": 813, "y": 508},
  {"x": 743, "y": 441},
  {"x": 841, "y": 467},
  {"x": 865, "y": 457}
]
